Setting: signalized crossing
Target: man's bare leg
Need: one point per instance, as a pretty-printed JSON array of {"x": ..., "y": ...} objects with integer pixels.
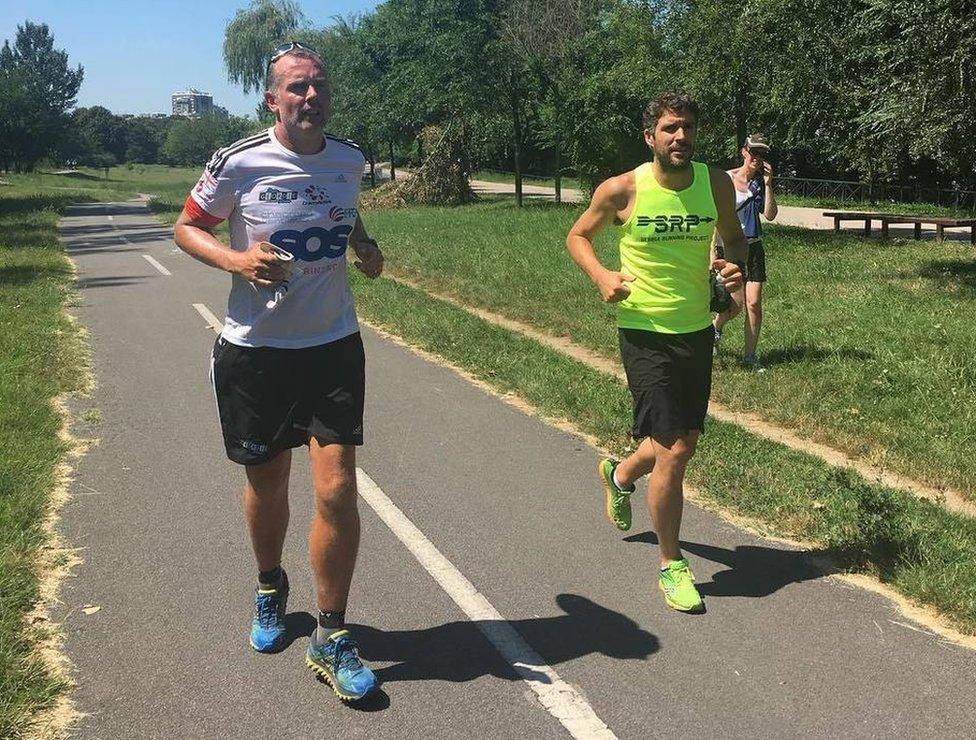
[
  {"x": 266, "y": 515},
  {"x": 266, "y": 508},
  {"x": 638, "y": 464},
  {"x": 333, "y": 541},
  {"x": 665, "y": 491}
]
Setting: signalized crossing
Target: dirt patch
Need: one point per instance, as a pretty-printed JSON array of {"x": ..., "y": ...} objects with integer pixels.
[{"x": 55, "y": 562}]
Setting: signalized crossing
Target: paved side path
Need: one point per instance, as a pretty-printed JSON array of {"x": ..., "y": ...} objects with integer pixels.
[
  {"x": 512, "y": 508},
  {"x": 807, "y": 218}
]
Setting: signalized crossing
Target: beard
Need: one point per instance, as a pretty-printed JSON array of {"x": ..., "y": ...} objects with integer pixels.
[{"x": 669, "y": 165}]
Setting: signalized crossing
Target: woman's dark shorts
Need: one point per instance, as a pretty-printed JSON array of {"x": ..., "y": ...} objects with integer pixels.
[
  {"x": 755, "y": 265},
  {"x": 272, "y": 399},
  {"x": 670, "y": 379}
]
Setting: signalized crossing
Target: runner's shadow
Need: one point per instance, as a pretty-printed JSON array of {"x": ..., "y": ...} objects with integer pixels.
[
  {"x": 299, "y": 624},
  {"x": 459, "y": 651},
  {"x": 809, "y": 353},
  {"x": 753, "y": 571}
]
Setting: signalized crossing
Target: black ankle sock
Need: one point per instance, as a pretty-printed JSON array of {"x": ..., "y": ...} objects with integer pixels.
[
  {"x": 332, "y": 621},
  {"x": 270, "y": 577}
]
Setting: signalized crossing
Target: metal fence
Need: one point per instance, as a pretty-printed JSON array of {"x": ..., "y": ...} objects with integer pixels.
[{"x": 850, "y": 191}]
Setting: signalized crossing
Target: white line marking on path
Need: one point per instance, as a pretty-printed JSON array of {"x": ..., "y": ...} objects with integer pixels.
[
  {"x": 156, "y": 264},
  {"x": 560, "y": 699},
  {"x": 111, "y": 218},
  {"x": 212, "y": 321}
]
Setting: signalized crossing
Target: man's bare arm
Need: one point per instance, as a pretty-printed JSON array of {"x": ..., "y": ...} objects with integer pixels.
[
  {"x": 195, "y": 237},
  {"x": 369, "y": 257},
  {"x": 609, "y": 200}
]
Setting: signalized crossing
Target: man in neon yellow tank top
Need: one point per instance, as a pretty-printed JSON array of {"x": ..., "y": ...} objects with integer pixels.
[{"x": 666, "y": 211}]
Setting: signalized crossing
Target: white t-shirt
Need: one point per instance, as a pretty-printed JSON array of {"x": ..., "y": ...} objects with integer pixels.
[{"x": 307, "y": 205}]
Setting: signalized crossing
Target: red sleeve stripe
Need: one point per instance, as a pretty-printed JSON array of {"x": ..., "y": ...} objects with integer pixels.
[{"x": 192, "y": 209}]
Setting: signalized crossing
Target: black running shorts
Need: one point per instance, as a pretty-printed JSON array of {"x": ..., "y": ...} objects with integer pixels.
[
  {"x": 272, "y": 399},
  {"x": 670, "y": 379},
  {"x": 755, "y": 265}
]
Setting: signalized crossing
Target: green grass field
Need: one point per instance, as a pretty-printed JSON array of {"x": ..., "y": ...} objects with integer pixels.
[
  {"x": 508, "y": 178},
  {"x": 868, "y": 344}
]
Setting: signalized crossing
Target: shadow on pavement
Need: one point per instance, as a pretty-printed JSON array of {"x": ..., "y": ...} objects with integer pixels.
[
  {"x": 459, "y": 651},
  {"x": 753, "y": 571},
  {"x": 114, "y": 281}
]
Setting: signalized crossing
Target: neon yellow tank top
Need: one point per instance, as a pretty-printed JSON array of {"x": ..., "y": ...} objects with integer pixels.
[{"x": 665, "y": 245}]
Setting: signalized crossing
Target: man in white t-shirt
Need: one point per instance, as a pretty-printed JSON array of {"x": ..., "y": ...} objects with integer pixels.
[{"x": 288, "y": 368}]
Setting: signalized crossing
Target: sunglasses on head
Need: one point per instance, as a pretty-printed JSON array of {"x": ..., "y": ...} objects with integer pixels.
[{"x": 291, "y": 46}]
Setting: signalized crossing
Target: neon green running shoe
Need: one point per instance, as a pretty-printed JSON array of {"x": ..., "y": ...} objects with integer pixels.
[
  {"x": 678, "y": 584},
  {"x": 618, "y": 500}
]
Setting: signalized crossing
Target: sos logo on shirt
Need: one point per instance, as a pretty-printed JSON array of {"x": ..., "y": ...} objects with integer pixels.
[{"x": 314, "y": 243}]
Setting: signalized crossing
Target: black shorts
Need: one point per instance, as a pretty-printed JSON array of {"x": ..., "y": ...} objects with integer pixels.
[
  {"x": 670, "y": 379},
  {"x": 755, "y": 265},
  {"x": 272, "y": 399}
]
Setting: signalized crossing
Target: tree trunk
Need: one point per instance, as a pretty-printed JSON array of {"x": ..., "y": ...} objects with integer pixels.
[
  {"x": 517, "y": 131},
  {"x": 392, "y": 164},
  {"x": 372, "y": 169},
  {"x": 559, "y": 144},
  {"x": 741, "y": 112}
]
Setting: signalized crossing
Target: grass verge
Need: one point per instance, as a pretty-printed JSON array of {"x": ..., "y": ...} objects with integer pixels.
[
  {"x": 925, "y": 552},
  {"x": 867, "y": 343},
  {"x": 42, "y": 356}
]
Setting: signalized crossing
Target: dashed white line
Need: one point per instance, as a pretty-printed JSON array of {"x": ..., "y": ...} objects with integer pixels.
[
  {"x": 111, "y": 218},
  {"x": 212, "y": 321},
  {"x": 156, "y": 264},
  {"x": 560, "y": 699}
]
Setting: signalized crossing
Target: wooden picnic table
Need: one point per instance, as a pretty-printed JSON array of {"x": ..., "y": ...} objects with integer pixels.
[
  {"x": 940, "y": 223},
  {"x": 864, "y": 216}
]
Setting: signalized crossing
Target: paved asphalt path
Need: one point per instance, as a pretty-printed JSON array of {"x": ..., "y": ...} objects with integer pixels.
[{"x": 512, "y": 503}]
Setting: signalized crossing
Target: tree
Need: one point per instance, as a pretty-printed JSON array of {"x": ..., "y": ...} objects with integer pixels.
[
  {"x": 542, "y": 33},
  {"x": 144, "y": 137},
  {"x": 920, "y": 64},
  {"x": 191, "y": 142},
  {"x": 39, "y": 89},
  {"x": 253, "y": 34},
  {"x": 105, "y": 130}
]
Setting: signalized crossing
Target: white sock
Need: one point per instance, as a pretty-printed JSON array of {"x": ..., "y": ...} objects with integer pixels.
[{"x": 617, "y": 482}]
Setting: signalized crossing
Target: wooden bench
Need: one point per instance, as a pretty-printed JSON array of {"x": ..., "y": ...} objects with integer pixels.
[
  {"x": 864, "y": 216},
  {"x": 940, "y": 223}
]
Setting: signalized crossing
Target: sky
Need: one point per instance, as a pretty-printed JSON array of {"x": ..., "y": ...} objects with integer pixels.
[{"x": 136, "y": 54}]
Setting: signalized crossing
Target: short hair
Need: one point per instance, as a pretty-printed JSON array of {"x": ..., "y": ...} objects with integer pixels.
[
  {"x": 670, "y": 101},
  {"x": 271, "y": 78}
]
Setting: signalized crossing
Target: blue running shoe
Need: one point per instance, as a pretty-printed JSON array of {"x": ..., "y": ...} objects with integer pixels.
[
  {"x": 337, "y": 661},
  {"x": 268, "y": 632}
]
